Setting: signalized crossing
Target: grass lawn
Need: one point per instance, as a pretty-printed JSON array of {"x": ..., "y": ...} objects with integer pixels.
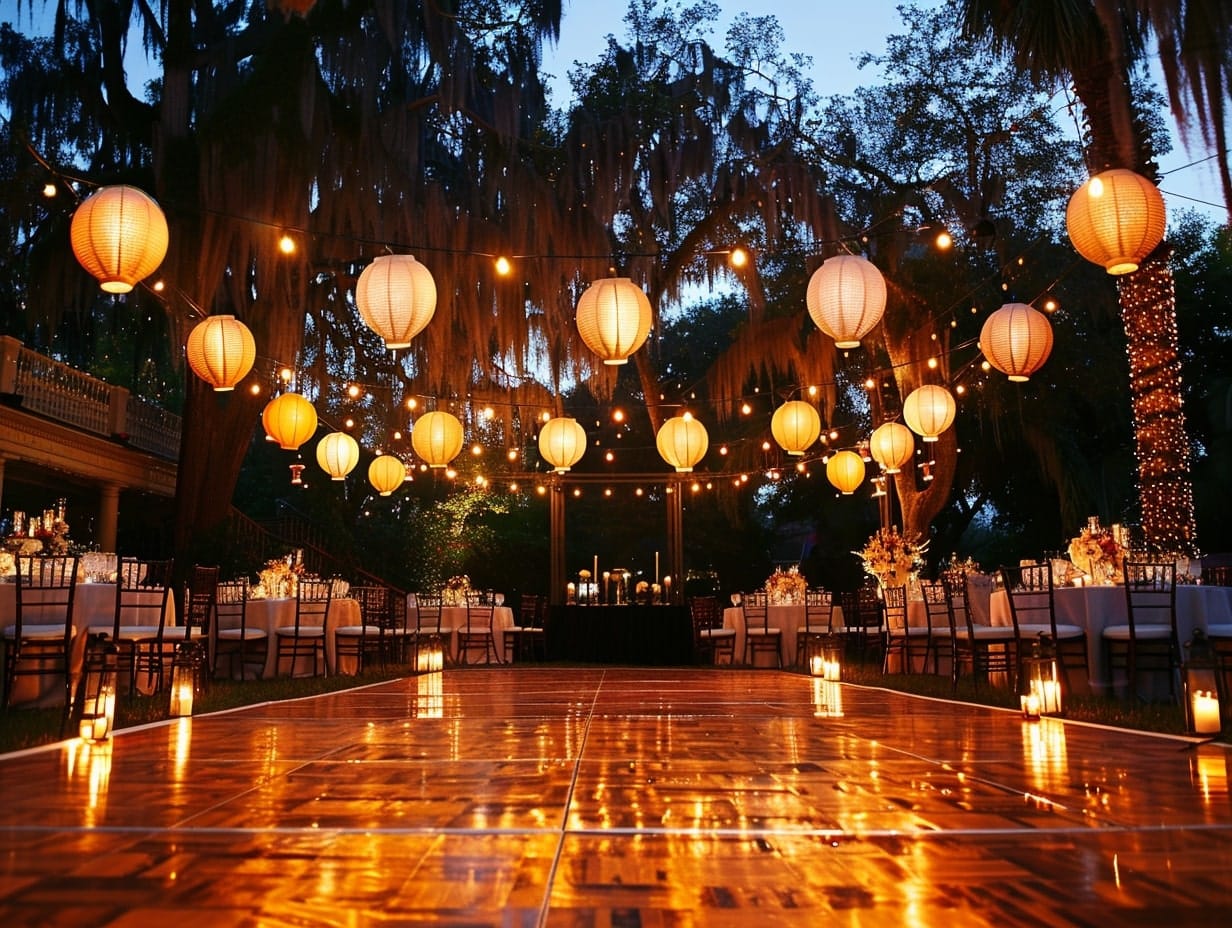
[{"x": 29, "y": 727}]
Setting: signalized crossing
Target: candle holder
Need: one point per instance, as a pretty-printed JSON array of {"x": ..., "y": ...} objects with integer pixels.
[
  {"x": 186, "y": 675},
  {"x": 1041, "y": 693},
  {"x": 96, "y": 693},
  {"x": 1202, "y": 686}
]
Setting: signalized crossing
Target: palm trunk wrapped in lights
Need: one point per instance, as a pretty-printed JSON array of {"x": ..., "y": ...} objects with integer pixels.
[{"x": 1148, "y": 310}]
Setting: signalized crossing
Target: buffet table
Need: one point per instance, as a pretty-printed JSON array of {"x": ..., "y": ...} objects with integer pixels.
[
  {"x": 268, "y": 614},
  {"x": 1096, "y": 607},
  {"x": 636, "y": 635},
  {"x": 93, "y": 608}
]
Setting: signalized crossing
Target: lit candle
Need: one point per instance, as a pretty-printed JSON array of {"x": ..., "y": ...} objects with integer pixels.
[
  {"x": 1048, "y": 693},
  {"x": 656, "y": 573},
  {"x": 667, "y": 589},
  {"x": 817, "y": 666},
  {"x": 1206, "y": 713},
  {"x": 1031, "y": 706},
  {"x": 595, "y": 573}
]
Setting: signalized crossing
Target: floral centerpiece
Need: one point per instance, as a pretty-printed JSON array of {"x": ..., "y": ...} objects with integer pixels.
[
  {"x": 892, "y": 558},
  {"x": 786, "y": 587},
  {"x": 8, "y": 564},
  {"x": 1096, "y": 552},
  {"x": 279, "y": 579},
  {"x": 455, "y": 590}
]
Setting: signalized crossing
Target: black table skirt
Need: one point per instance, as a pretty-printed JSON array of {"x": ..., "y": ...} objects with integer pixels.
[{"x": 639, "y": 635}]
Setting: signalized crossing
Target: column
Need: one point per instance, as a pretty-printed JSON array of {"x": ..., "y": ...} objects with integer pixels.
[
  {"x": 108, "y": 516},
  {"x": 675, "y": 537},
  {"x": 556, "y": 548}
]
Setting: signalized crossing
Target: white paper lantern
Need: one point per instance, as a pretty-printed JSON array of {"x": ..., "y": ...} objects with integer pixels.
[
  {"x": 929, "y": 410},
  {"x": 891, "y": 446},
  {"x": 682, "y": 442},
  {"x": 1016, "y": 340},
  {"x": 562, "y": 442},
  {"x": 221, "y": 351},
  {"x": 613, "y": 318},
  {"x": 846, "y": 297},
  {"x": 396, "y": 298}
]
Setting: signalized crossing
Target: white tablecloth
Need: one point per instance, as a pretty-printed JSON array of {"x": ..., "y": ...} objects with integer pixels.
[
  {"x": 788, "y": 618},
  {"x": 269, "y": 614},
  {"x": 1096, "y": 607},
  {"x": 454, "y": 618},
  {"x": 93, "y": 607}
]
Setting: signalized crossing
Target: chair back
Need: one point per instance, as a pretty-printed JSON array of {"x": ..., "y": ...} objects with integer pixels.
[
  {"x": 956, "y": 604},
  {"x": 1150, "y": 594},
  {"x": 936, "y": 607},
  {"x": 705, "y": 613},
  {"x": 231, "y": 604},
  {"x": 200, "y": 601},
  {"x": 756, "y": 609},
  {"x": 1029, "y": 590},
  {"x": 818, "y": 609},
  {"x": 530, "y": 610},
  {"x": 143, "y": 591},
  {"x": 428, "y": 614},
  {"x": 478, "y": 617},
  {"x": 46, "y": 584},
  {"x": 373, "y": 605},
  {"x": 895, "y": 599},
  {"x": 312, "y": 599}
]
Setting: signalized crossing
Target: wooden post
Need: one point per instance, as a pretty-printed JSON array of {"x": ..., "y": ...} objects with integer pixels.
[
  {"x": 675, "y": 537},
  {"x": 556, "y": 543}
]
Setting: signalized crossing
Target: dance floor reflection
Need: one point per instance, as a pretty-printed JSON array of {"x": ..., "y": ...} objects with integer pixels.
[{"x": 617, "y": 797}]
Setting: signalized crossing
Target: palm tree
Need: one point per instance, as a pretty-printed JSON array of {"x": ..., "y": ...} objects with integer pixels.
[{"x": 1095, "y": 44}]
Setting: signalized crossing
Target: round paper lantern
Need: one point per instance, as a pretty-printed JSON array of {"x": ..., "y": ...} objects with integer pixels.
[
  {"x": 396, "y": 298},
  {"x": 290, "y": 420},
  {"x": 891, "y": 446},
  {"x": 1016, "y": 340},
  {"x": 119, "y": 235},
  {"x": 562, "y": 442},
  {"x": 846, "y": 297},
  {"x": 846, "y": 471},
  {"x": 337, "y": 453},
  {"x": 437, "y": 438},
  {"x": 682, "y": 442},
  {"x": 1116, "y": 219},
  {"x": 221, "y": 351},
  {"x": 795, "y": 426},
  {"x": 613, "y": 318},
  {"x": 386, "y": 473},
  {"x": 929, "y": 411}
]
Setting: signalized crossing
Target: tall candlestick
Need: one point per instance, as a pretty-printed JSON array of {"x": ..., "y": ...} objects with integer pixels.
[
  {"x": 656, "y": 573},
  {"x": 595, "y": 572}
]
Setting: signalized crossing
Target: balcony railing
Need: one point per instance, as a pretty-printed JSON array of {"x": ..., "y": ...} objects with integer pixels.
[{"x": 57, "y": 391}]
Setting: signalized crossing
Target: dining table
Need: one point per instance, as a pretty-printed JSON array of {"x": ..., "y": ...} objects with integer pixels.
[
  {"x": 1095, "y": 607},
  {"x": 453, "y": 618},
  {"x": 788, "y": 617},
  {"x": 94, "y": 606},
  {"x": 270, "y": 613}
]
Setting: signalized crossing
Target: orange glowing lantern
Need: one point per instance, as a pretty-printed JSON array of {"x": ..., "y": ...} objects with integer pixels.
[
  {"x": 437, "y": 438},
  {"x": 929, "y": 411},
  {"x": 682, "y": 442},
  {"x": 290, "y": 420},
  {"x": 795, "y": 426},
  {"x": 1016, "y": 340},
  {"x": 846, "y": 471},
  {"x": 562, "y": 442},
  {"x": 119, "y": 234},
  {"x": 221, "y": 351},
  {"x": 1116, "y": 219},
  {"x": 386, "y": 473}
]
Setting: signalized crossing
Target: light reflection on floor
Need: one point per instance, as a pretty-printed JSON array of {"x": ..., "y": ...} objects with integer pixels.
[{"x": 621, "y": 797}]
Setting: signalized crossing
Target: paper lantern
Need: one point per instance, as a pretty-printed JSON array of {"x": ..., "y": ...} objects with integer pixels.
[
  {"x": 119, "y": 235},
  {"x": 846, "y": 471},
  {"x": 386, "y": 473},
  {"x": 290, "y": 420},
  {"x": 337, "y": 453},
  {"x": 1016, "y": 340},
  {"x": 929, "y": 411},
  {"x": 613, "y": 318},
  {"x": 795, "y": 426},
  {"x": 846, "y": 297},
  {"x": 1116, "y": 219},
  {"x": 221, "y": 351},
  {"x": 682, "y": 442},
  {"x": 891, "y": 446},
  {"x": 437, "y": 438},
  {"x": 396, "y": 298},
  {"x": 562, "y": 442}
]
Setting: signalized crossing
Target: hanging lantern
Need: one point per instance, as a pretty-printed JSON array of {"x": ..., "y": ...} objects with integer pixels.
[
  {"x": 846, "y": 297},
  {"x": 929, "y": 411},
  {"x": 337, "y": 453},
  {"x": 96, "y": 690},
  {"x": 290, "y": 420},
  {"x": 119, "y": 235},
  {"x": 396, "y": 298},
  {"x": 1016, "y": 340},
  {"x": 221, "y": 351},
  {"x": 386, "y": 473},
  {"x": 613, "y": 318},
  {"x": 682, "y": 442},
  {"x": 795, "y": 426},
  {"x": 892, "y": 446},
  {"x": 846, "y": 471},
  {"x": 562, "y": 442},
  {"x": 437, "y": 438},
  {"x": 1116, "y": 219}
]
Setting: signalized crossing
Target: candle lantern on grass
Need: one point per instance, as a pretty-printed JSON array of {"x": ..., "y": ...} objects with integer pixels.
[
  {"x": 186, "y": 677},
  {"x": 1041, "y": 681},
  {"x": 1202, "y": 689},
  {"x": 826, "y": 658},
  {"x": 430, "y": 657},
  {"x": 96, "y": 693}
]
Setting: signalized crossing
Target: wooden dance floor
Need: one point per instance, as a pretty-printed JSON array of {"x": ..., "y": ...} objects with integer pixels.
[{"x": 617, "y": 797}]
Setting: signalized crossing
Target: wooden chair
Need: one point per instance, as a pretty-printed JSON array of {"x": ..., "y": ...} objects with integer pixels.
[
  {"x": 40, "y": 641},
  {"x": 1148, "y": 641},
  {"x": 710, "y": 639},
  {"x": 306, "y": 637},
  {"x": 901, "y": 638},
  {"x": 813, "y": 635},
  {"x": 199, "y": 601},
  {"x": 1033, "y": 611},
  {"x": 941, "y": 631},
  {"x": 525, "y": 640},
  {"x": 863, "y": 623},
  {"x": 367, "y": 639},
  {"x": 986, "y": 649},
  {"x": 759, "y": 636},
  {"x": 143, "y": 594},
  {"x": 477, "y": 633},
  {"x": 241, "y": 644}
]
